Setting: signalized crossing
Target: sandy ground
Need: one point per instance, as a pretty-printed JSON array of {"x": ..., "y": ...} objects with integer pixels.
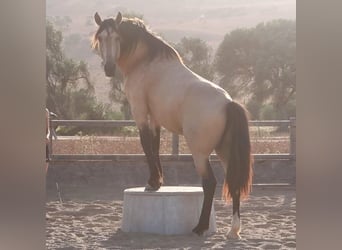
[{"x": 89, "y": 220}]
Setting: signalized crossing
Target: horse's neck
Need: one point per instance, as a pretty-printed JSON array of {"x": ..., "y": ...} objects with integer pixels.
[{"x": 128, "y": 63}]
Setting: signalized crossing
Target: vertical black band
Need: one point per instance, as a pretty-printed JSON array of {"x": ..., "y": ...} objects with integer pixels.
[
  {"x": 236, "y": 203},
  {"x": 150, "y": 143}
]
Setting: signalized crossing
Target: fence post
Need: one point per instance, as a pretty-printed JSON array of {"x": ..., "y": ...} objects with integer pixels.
[
  {"x": 175, "y": 144},
  {"x": 293, "y": 136},
  {"x": 50, "y": 138}
]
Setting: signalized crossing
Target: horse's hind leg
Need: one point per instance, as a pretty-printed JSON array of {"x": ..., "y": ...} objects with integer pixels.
[
  {"x": 234, "y": 232},
  {"x": 209, "y": 185},
  {"x": 148, "y": 140}
]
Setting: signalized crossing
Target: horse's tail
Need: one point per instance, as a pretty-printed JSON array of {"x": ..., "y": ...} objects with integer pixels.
[{"x": 239, "y": 172}]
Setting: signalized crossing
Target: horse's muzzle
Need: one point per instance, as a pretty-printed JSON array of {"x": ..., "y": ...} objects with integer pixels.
[{"x": 109, "y": 69}]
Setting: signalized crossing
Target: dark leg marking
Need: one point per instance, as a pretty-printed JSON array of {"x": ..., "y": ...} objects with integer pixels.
[
  {"x": 235, "y": 230},
  {"x": 236, "y": 203},
  {"x": 146, "y": 138},
  {"x": 155, "y": 149},
  {"x": 209, "y": 185}
]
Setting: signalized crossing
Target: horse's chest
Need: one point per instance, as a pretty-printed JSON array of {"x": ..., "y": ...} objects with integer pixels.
[{"x": 134, "y": 94}]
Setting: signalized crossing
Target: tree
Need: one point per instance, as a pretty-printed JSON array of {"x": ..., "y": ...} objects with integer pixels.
[
  {"x": 63, "y": 75},
  {"x": 259, "y": 65},
  {"x": 69, "y": 90},
  {"x": 196, "y": 55},
  {"x": 61, "y": 22},
  {"x": 117, "y": 95}
]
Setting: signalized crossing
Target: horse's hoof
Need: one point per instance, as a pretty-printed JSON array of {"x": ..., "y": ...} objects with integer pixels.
[
  {"x": 198, "y": 230},
  {"x": 149, "y": 188},
  {"x": 233, "y": 235}
]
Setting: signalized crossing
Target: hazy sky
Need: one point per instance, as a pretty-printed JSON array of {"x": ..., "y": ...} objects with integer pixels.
[{"x": 206, "y": 19}]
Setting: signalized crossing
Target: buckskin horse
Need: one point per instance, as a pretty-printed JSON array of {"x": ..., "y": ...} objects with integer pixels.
[{"x": 163, "y": 92}]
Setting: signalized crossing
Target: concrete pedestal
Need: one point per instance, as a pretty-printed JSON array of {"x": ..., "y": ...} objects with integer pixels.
[{"x": 170, "y": 210}]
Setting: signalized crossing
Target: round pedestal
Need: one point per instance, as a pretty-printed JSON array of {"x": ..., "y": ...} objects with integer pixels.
[{"x": 170, "y": 210}]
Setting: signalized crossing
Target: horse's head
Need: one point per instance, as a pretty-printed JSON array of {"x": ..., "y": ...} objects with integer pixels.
[{"x": 107, "y": 42}]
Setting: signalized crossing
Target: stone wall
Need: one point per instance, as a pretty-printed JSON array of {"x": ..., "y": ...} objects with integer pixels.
[{"x": 125, "y": 174}]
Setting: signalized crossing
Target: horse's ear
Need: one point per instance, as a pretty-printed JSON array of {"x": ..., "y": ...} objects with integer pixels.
[
  {"x": 118, "y": 19},
  {"x": 97, "y": 19}
]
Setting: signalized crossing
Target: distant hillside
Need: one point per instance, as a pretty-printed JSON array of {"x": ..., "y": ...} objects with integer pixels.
[{"x": 208, "y": 20}]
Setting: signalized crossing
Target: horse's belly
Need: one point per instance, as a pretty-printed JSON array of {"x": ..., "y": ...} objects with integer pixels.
[
  {"x": 174, "y": 128},
  {"x": 168, "y": 119},
  {"x": 166, "y": 108}
]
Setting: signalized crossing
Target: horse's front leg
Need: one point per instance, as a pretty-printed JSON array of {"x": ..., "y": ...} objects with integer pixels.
[
  {"x": 148, "y": 139},
  {"x": 155, "y": 149}
]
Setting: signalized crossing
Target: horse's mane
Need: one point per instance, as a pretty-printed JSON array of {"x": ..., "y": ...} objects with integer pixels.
[{"x": 132, "y": 31}]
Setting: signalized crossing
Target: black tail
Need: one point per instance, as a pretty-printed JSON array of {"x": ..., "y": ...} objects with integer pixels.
[{"x": 239, "y": 172}]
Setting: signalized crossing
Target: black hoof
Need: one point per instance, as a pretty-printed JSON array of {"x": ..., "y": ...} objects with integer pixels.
[
  {"x": 150, "y": 188},
  {"x": 199, "y": 230}
]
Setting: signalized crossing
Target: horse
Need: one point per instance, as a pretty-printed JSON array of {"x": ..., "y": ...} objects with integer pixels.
[{"x": 163, "y": 92}]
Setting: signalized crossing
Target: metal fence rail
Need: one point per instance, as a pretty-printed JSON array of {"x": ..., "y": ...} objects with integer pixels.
[{"x": 175, "y": 141}]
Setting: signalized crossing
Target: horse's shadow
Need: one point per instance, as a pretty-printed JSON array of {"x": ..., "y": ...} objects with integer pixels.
[{"x": 123, "y": 240}]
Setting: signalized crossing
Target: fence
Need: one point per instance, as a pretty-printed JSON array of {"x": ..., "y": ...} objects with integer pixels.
[{"x": 175, "y": 155}]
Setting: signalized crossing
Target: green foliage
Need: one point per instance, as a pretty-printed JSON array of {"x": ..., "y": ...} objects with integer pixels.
[
  {"x": 196, "y": 55},
  {"x": 61, "y": 22},
  {"x": 117, "y": 95},
  {"x": 260, "y": 63},
  {"x": 267, "y": 112},
  {"x": 253, "y": 106},
  {"x": 63, "y": 75}
]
